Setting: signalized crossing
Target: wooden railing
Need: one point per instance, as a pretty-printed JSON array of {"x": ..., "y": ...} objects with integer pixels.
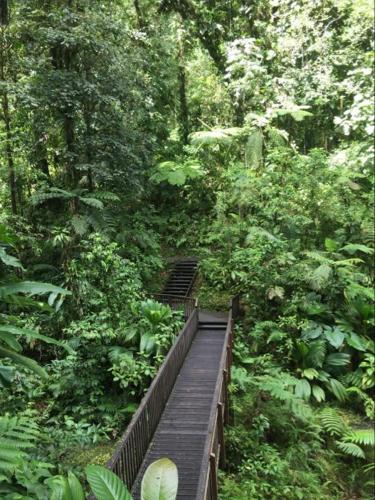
[
  {"x": 214, "y": 451},
  {"x": 185, "y": 304},
  {"x": 131, "y": 450}
]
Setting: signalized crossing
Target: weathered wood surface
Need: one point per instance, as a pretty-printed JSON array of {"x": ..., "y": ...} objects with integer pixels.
[{"x": 182, "y": 431}]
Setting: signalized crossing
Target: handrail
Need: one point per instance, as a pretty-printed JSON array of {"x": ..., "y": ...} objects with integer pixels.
[
  {"x": 130, "y": 452},
  {"x": 214, "y": 448},
  {"x": 177, "y": 302}
]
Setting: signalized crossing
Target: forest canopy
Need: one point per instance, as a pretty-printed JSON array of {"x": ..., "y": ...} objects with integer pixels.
[{"x": 136, "y": 132}]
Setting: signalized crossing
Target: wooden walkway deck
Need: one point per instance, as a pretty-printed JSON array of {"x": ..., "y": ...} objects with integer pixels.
[
  {"x": 184, "y": 425},
  {"x": 183, "y": 413}
]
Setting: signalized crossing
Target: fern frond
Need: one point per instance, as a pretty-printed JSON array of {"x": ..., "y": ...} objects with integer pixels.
[
  {"x": 17, "y": 436},
  {"x": 318, "y": 257},
  {"x": 365, "y": 437},
  {"x": 106, "y": 196},
  {"x": 332, "y": 422},
  {"x": 368, "y": 233},
  {"x": 319, "y": 278},
  {"x": 216, "y": 136},
  {"x": 316, "y": 353},
  {"x": 277, "y": 136},
  {"x": 80, "y": 224},
  {"x": 351, "y": 449}
]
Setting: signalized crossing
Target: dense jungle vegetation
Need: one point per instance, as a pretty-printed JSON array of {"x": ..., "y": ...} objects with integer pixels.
[{"x": 240, "y": 132}]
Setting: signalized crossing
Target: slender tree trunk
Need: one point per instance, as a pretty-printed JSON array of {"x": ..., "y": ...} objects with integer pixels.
[
  {"x": 184, "y": 111},
  {"x": 9, "y": 154},
  {"x": 4, "y": 12},
  {"x": 4, "y": 21},
  {"x": 138, "y": 11},
  {"x": 87, "y": 119}
]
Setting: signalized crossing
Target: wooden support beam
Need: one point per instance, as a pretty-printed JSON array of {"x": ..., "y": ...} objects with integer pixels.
[{"x": 213, "y": 477}]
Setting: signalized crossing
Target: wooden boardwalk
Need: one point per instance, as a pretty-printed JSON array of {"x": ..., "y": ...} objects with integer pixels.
[
  {"x": 183, "y": 413},
  {"x": 184, "y": 425}
]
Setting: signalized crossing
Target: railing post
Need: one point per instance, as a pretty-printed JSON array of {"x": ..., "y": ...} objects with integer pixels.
[
  {"x": 226, "y": 398},
  {"x": 220, "y": 424},
  {"x": 213, "y": 477}
]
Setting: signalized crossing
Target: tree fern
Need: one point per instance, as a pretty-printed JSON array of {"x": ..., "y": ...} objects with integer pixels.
[
  {"x": 80, "y": 224},
  {"x": 216, "y": 136}
]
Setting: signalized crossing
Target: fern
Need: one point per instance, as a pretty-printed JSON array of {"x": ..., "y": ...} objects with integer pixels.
[
  {"x": 368, "y": 233},
  {"x": 17, "y": 436},
  {"x": 332, "y": 422},
  {"x": 216, "y": 136},
  {"x": 316, "y": 353},
  {"x": 365, "y": 437},
  {"x": 281, "y": 388},
  {"x": 106, "y": 196},
  {"x": 277, "y": 136},
  {"x": 351, "y": 449},
  {"x": 80, "y": 224},
  {"x": 320, "y": 277},
  {"x": 318, "y": 257}
]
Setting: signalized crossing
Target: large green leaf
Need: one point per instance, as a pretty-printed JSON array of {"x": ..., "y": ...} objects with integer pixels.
[
  {"x": 303, "y": 389},
  {"x": 23, "y": 361},
  {"x": 337, "y": 389},
  {"x": 105, "y": 484},
  {"x": 6, "y": 375},
  {"x": 75, "y": 487},
  {"x": 313, "y": 331},
  {"x": 177, "y": 178},
  {"x": 9, "y": 260},
  {"x": 66, "y": 488},
  {"x": 10, "y": 341},
  {"x": 353, "y": 248},
  {"x": 335, "y": 336},
  {"x": 356, "y": 342},
  {"x": 14, "y": 330},
  {"x": 318, "y": 393},
  {"x": 337, "y": 359},
  {"x": 160, "y": 481},
  {"x": 31, "y": 288}
]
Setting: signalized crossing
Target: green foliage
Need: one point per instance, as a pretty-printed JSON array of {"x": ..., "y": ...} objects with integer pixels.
[
  {"x": 17, "y": 437},
  {"x": 66, "y": 488},
  {"x": 176, "y": 174},
  {"x": 160, "y": 481},
  {"x": 105, "y": 484},
  {"x": 270, "y": 184}
]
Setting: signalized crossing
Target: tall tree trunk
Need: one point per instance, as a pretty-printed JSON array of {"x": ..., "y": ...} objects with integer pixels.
[
  {"x": 184, "y": 111},
  {"x": 87, "y": 119},
  {"x": 4, "y": 12},
  {"x": 4, "y": 21},
  {"x": 9, "y": 153},
  {"x": 138, "y": 11}
]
